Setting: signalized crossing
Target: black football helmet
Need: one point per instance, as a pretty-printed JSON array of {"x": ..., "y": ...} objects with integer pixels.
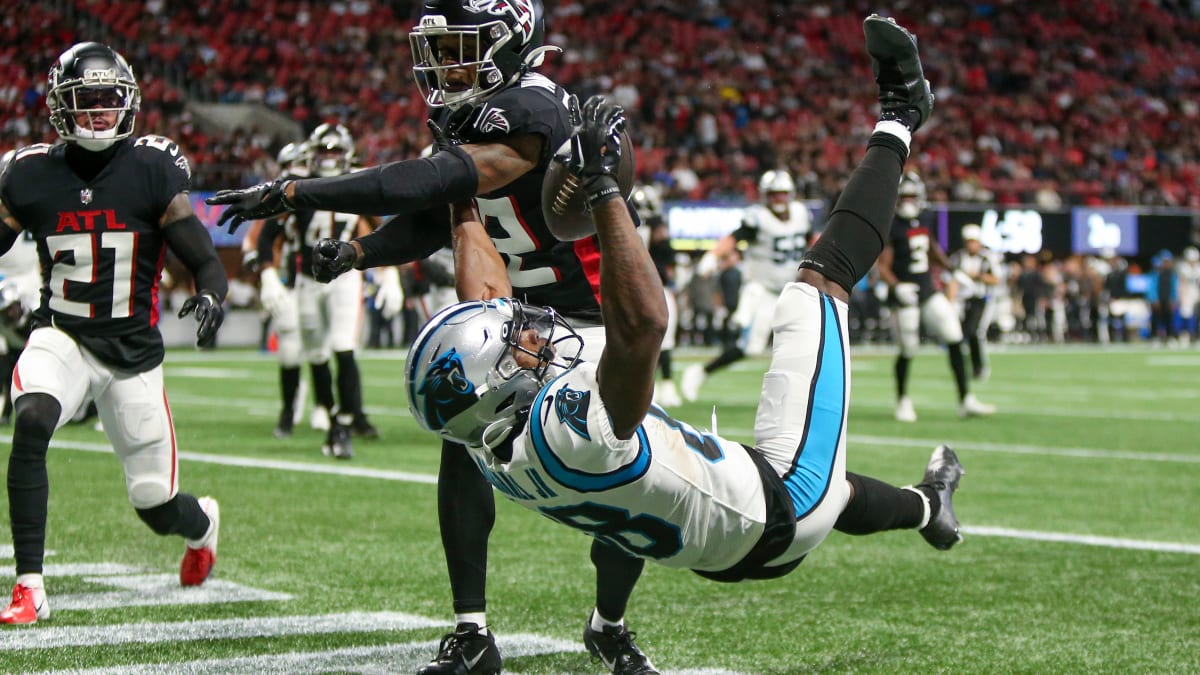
[
  {"x": 466, "y": 50},
  {"x": 92, "y": 78}
]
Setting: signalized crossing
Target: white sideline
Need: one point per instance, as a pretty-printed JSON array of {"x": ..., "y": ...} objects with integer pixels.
[{"x": 1058, "y": 537}]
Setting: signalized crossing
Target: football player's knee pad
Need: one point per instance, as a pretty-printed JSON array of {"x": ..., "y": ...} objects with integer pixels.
[
  {"x": 941, "y": 319},
  {"x": 162, "y": 517},
  {"x": 290, "y": 352},
  {"x": 148, "y": 494},
  {"x": 907, "y": 324},
  {"x": 36, "y": 416}
]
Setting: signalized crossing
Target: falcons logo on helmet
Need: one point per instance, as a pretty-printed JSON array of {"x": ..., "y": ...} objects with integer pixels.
[{"x": 521, "y": 12}]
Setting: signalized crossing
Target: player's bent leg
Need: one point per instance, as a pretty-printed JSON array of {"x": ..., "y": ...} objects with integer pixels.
[
  {"x": 37, "y": 416},
  {"x": 806, "y": 446}
]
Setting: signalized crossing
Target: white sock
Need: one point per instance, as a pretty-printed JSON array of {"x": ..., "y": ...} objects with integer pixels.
[
  {"x": 599, "y": 623},
  {"x": 30, "y": 581},
  {"x": 925, "y": 502},
  {"x": 896, "y": 129},
  {"x": 477, "y": 618}
]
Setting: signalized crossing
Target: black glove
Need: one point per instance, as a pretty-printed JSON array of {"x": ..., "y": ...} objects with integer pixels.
[
  {"x": 209, "y": 313},
  {"x": 253, "y": 203},
  {"x": 596, "y": 147},
  {"x": 440, "y": 140},
  {"x": 332, "y": 257}
]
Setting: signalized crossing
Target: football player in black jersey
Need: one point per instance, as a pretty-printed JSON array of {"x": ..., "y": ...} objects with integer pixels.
[
  {"x": 103, "y": 208},
  {"x": 906, "y": 266},
  {"x": 498, "y": 123}
]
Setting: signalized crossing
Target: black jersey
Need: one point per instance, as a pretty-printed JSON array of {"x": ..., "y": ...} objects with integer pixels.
[
  {"x": 100, "y": 242},
  {"x": 912, "y": 246},
  {"x": 542, "y": 269},
  {"x": 305, "y": 227}
]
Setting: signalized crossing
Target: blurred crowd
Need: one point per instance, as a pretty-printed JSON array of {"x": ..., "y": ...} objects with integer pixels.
[{"x": 1048, "y": 103}]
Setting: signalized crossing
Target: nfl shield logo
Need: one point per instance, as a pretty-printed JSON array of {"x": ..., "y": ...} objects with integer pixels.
[{"x": 85, "y": 195}]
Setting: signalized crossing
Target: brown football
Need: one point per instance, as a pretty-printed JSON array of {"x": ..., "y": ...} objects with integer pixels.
[{"x": 563, "y": 203}]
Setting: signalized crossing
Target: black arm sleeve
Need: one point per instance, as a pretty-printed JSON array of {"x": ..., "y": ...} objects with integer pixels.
[
  {"x": 188, "y": 239},
  {"x": 406, "y": 238},
  {"x": 8, "y": 237},
  {"x": 265, "y": 245},
  {"x": 400, "y": 187}
]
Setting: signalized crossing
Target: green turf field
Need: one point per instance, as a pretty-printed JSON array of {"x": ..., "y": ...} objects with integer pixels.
[{"x": 1082, "y": 550}]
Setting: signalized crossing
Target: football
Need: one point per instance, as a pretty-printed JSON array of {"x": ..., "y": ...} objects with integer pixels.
[{"x": 563, "y": 202}]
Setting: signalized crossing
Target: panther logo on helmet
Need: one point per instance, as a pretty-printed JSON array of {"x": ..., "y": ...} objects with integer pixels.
[{"x": 446, "y": 389}]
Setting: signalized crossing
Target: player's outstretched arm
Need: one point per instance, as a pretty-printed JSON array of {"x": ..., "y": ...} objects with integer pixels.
[
  {"x": 479, "y": 271},
  {"x": 189, "y": 240},
  {"x": 634, "y": 308}
]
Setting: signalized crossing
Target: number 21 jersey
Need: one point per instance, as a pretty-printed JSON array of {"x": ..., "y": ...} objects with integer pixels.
[{"x": 100, "y": 242}]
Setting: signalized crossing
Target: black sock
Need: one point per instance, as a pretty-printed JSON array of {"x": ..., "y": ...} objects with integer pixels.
[
  {"x": 959, "y": 366},
  {"x": 723, "y": 359},
  {"x": 859, "y": 222},
  {"x": 617, "y": 573},
  {"x": 877, "y": 506},
  {"x": 466, "y": 513},
  {"x": 976, "y": 348},
  {"x": 664, "y": 363},
  {"x": 289, "y": 383},
  {"x": 28, "y": 481},
  {"x": 349, "y": 384},
  {"x": 322, "y": 379},
  {"x": 180, "y": 515},
  {"x": 902, "y": 376}
]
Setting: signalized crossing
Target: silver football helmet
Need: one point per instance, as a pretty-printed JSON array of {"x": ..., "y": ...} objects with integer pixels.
[
  {"x": 911, "y": 200},
  {"x": 87, "y": 80},
  {"x": 647, "y": 202},
  {"x": 474, "y": 369},
  {"x": 331, "y": 150},
  {"x": 293, "y": 159}
]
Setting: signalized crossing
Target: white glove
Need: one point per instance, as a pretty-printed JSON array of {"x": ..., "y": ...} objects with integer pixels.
[
  {"x": 271, "y": 293},
  {"x": 907, "y": 293},
  {"x": 389, "y": 300}
]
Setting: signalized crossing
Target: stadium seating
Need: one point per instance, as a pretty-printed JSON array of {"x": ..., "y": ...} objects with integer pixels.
[{"x": 1087, "y": 102}]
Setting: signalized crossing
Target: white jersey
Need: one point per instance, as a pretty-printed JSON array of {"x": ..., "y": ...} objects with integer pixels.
[
  {"x": 22, "y": 268},
  {"x": 969, "y": 270},
  {"x": 774, "y": 246},
  {"x": 698, "y": 505}
]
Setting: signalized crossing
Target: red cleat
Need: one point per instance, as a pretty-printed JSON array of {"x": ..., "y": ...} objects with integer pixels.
[
  {"x": 28, "y": 605},
  {"x": 200, "y": 556}
]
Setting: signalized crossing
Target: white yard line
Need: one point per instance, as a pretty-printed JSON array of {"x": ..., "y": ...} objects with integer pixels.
[
  {"x": 55, "y": 637},
  {"x": 1082, "y": 539},
  {"x": 395, "y": 658}
]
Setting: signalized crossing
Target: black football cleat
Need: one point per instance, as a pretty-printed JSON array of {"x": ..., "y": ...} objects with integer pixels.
[
  {"x": 904, "y": 93},
  {"x": 942, "y": 475},
  {"x": 615, "y": 647},
  {"x": 283, "y": 428},
  {"x": 466, "y": 651},
  {"x": 338, "y": 443},
  {"x": 363, "y": 428}
]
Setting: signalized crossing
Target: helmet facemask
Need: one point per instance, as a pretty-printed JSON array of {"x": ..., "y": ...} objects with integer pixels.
[
  {"x": 911, "y": 196},
  {"x": 773, "y": 183},
  {"x": 330, "y": 151},
  {"x": 468, "y": 51},
  {"x": 476, "y": 367}
]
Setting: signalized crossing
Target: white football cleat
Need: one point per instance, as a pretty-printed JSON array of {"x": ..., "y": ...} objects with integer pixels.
[
  {"x": 693, "y": 378},
  {"x": 973, "y": 407},
  {"x": 319, "y": 419},
  {"x": 29, "y": 605},
  {"x": 905, "y": 412},
  {"x": 666, "y": 395},
  {"x": 200, "y": 556}
]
